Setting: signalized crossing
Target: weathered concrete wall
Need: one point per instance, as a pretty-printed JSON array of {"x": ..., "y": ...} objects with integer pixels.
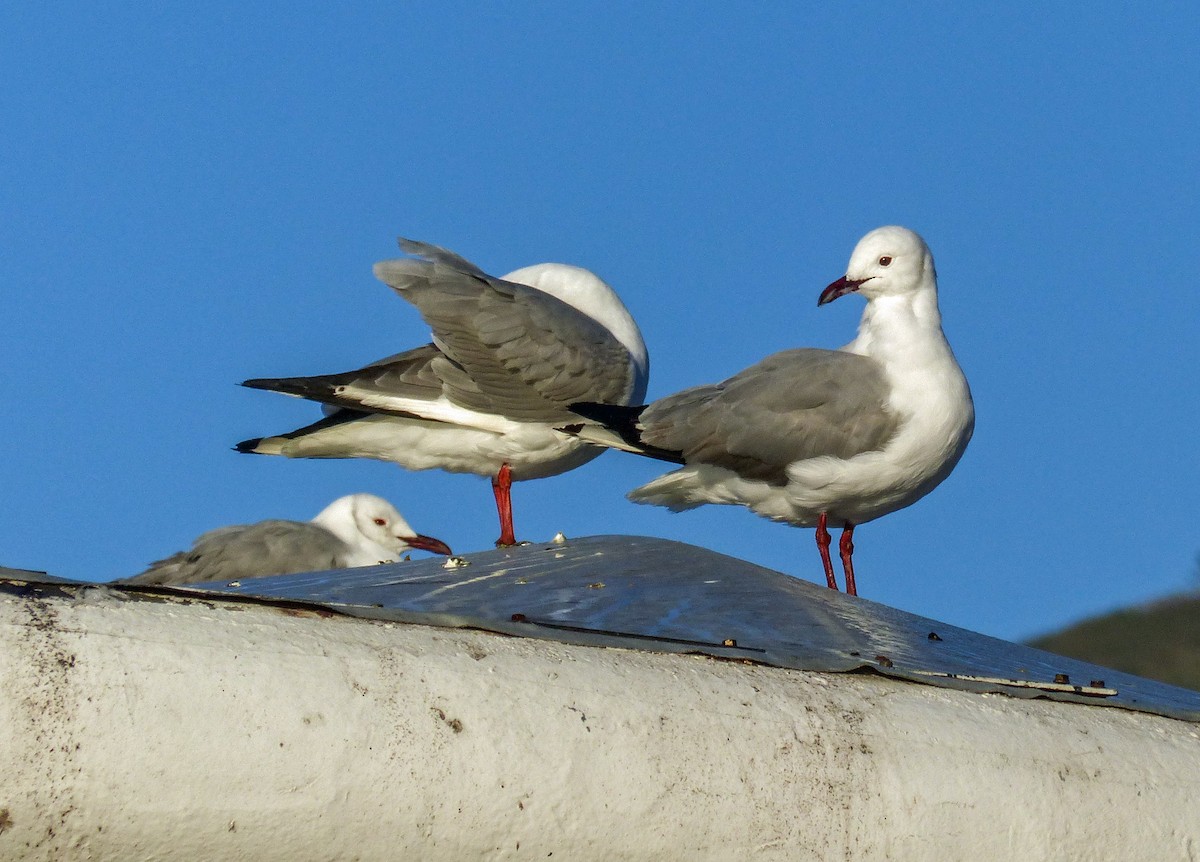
[{"x": 177, "y": 729}]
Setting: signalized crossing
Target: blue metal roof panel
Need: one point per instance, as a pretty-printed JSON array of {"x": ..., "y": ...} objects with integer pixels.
[{"x": 653, "y": 594}]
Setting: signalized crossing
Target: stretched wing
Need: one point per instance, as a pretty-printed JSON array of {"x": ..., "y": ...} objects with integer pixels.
[
  {"x": 793, "y": 405},
  {"x": 398, "y": 384},
  {"x": 510, "y": 349},
  {"x": 256, "y": 550}
]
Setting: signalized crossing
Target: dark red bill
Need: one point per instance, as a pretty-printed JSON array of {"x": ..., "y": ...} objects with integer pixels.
[
  {"x": 840, "y": 288},
  {"x": 428, "y": 543}
]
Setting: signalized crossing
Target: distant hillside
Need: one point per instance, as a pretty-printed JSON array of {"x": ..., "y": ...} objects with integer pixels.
[{"x": 1159, "y": 641}]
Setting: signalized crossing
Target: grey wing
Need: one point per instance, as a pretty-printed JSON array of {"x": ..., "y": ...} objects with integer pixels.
[
  {"x": 418, "y": 375},
  {"x": 511, "y": 349},
  {"x": 793, "y": 405},
  {"x": 422, "y": 374},
  {"x": 255, "y": 550}
]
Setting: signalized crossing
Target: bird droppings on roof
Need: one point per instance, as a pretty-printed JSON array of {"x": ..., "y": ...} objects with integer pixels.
[{"x": 663, "y": 596}]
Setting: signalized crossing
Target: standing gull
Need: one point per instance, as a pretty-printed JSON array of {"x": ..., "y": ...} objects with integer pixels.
[
  {"x": 509, "y": 355},
  {"x": 358, "y": 530},
  {"x": 814, "y": 437}
]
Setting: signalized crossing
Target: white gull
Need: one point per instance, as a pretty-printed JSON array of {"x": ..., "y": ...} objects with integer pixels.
[
  {"x": 815, "y": 437},
  {"x": 509, "y": 355},
  {"x": 356, "y": 530}
]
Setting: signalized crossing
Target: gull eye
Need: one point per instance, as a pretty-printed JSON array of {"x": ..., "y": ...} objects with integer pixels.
[
  {"x": 381, "y": 522},
  {"x": 885, "y": 261}
]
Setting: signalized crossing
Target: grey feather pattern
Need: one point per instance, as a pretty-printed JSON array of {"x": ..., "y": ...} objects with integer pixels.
[
  {"x": 419, "y": 373},
  {"x": 836, "y": 404},
  {"x": 437, "y": 254},
  {"x": 513, "y": 350},
  {"x": 274, "y": 547}
]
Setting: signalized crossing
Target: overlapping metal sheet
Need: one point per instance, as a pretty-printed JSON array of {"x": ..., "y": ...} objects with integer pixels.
[{"x": 657, "y": 595}]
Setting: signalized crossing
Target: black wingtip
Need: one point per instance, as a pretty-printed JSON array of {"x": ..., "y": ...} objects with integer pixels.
[
  {"x": 258, "y": 383},
  {"x": 618, "y": 417},
  {"x": 248, "y": 446},
  {"x": 623, "y": 421},
  {"x": 314, "y": 388}
]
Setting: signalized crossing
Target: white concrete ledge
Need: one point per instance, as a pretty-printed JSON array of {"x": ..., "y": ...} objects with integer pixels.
[{"x": 190, "y": 729}]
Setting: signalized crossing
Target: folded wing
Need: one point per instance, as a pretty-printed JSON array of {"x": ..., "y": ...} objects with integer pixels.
[{"x": 792, "y": 406}]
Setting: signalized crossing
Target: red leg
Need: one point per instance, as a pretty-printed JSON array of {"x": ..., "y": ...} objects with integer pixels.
[
  {"x": 502, "y": 488},
  {"x": 846, "y": 547},
  {"x": 823, "y": 540}
]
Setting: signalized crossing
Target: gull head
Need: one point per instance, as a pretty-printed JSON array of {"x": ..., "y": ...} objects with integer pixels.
[
  {"x": 360, "y": 517},
  {"x": 889, "y": 261}
]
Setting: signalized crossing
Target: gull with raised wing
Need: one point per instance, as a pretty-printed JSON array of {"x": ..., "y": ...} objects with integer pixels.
[
  {"x": 816, "y": 437},
  {"x": 357, "y": 530},
  {"x": 509, "y": 355}
]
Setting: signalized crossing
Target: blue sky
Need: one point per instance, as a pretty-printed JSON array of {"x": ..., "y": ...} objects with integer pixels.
[{"x": 191, "y": 197}]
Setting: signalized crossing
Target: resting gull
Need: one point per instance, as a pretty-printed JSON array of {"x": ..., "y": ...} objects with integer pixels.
[
  {"x": 815, "y": 437},
  {"x": 357, "y": 530},
  {"x": 509, "y": 355}
]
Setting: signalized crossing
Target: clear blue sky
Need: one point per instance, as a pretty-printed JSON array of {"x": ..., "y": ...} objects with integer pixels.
[{"x": 191, "y": 197}]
